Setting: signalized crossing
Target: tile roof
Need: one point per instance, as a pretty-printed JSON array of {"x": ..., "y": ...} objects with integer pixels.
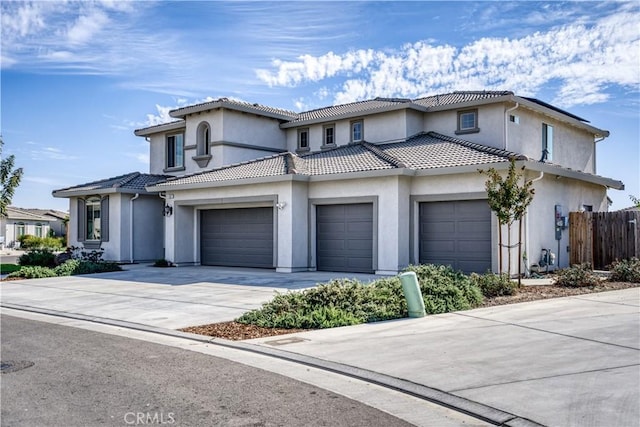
[
  {"x": 354, "y": 107},
  {"x": 24, "y": 215},
  {"x": 234, "y": 104},
  {"x": 432, "y": 150},
  {"x": 459, "y": 97},
  {"x": 423, "y": 151},
  {"x": 134, "y": 181},
  {"x": 49, "y": 212}
]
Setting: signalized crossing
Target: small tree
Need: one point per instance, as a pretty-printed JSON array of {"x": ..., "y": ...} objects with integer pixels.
[
  {"x": 9, "y": 180},
  {"x": 635, "y": 200},
  {"x": 509, "y": 200}
]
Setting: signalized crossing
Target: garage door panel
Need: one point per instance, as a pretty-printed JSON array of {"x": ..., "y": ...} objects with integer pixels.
[
  {"x": 456, "y": 233},
  {"x": 237, "y": 237},
  {"x": 344, "y": 237}
]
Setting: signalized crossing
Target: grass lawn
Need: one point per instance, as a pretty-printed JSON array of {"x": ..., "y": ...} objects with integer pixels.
[{"x": 9, "y": 268}]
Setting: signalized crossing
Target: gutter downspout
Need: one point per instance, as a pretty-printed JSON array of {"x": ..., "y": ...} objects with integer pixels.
[
  {"x": 506, "y": 125},
  {"x": 594, "y": 152},
  {"x": 526, "y": 233},
  {"x": 131, "y": 227}
]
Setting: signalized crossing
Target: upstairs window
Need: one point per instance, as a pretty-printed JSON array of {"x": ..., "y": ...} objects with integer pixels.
[
  {"x": 303, "y": 139},
  {"x": 203, "y": 139},
  {"x": 357, "y": 131},
  {"x": 328, "y": 136},
  {"x": 467, "y": 122},
  {"x": 175, "y": 151},
  {"x": 547, "y": 143}
]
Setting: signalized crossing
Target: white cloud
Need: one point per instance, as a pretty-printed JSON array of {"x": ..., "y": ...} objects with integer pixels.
[
  {"x": 50, "y": 153},
  {"x": 140, "y": 157},
  {"x": 584, "y": 59},
  {"x": 86, "y": 27}
]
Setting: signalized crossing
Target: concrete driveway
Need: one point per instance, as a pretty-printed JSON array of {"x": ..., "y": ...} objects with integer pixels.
[{"x": 170, "y": 298}]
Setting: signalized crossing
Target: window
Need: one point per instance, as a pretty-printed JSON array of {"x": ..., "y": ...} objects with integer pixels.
[
  {"x": 467, "y": 122},
  {"x": 19, "y": 229},
  {"x": 303, "y": 139},
  {"x": 38, "y": 230},
  {"x": 357, "y": 131},
  {"x": 175, "y": 151},
  {"x": 514, "y": 119},
  {"x": 93, "y": 219},
  {"x": 203, "y": 139},
  {"x": 328, "y": 135},
  {"x": 547, "y": 143}
]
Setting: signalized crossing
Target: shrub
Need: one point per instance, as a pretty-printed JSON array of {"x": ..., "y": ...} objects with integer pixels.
[
  {"x": 32, "y": 242},
  {"x": 69, "y": 268},
  {"x": 337, "y": 303},
  {"x": 33, "y": 272},
  {"x": 494, "y": 285},
  {"x": 445, "y": 289},
  {"x": 577, "y": 276},
  {"x": 38, "y": 257},
  {"x": 627, "y": 270},
  {"x": 162, "y": 263},
  {"x": 348, "y": 302}
]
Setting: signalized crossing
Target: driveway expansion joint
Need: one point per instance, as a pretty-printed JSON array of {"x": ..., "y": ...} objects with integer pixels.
[{"x": 463, "y": 405}]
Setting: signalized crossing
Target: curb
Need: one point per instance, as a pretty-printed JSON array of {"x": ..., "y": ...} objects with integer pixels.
[{"x": 474, "y": 409}]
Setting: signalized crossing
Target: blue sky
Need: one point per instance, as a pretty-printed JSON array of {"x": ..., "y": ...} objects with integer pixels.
[{"x": 79, "y": 77}]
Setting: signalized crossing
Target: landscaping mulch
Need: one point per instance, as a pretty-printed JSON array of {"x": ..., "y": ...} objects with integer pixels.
[{"x": 239, "y": 331}]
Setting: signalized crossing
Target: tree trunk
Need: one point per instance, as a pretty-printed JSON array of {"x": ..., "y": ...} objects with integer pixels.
[
  {"x": 500, "y": 247},
  {"x": 520, "y": 252},
  {"x": 509, "y": 250}
]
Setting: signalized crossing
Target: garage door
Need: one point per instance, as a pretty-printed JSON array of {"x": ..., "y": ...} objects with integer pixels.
[
  {"x": 456, "y": 234},
  {"x": 237, "y": 237},
  {"x": 344, "y": 236}
]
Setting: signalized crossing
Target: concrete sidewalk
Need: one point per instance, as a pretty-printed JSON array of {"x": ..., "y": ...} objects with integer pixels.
[{"x": 563, "y": 362}]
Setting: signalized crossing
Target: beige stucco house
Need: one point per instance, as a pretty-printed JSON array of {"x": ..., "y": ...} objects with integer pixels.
[{"x": 370, "y": 186}]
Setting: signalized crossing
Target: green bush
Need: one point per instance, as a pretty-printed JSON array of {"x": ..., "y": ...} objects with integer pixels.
[
  {"x": 627, "y": 270},
  {"x": 349, "y": 302},
  {"x": 445, "y": 289},
  {"x": 69, "y": 268},
  {"x": 33, "y": 272},
  {"x": 577, "y": 276},
  {"x": 38, "y": 257},
  {"x": 32, "y": 242},
  {"x": 494, "y": 285}
]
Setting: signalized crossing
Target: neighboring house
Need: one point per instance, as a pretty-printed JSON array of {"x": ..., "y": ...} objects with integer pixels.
[
  {"x": 57, "y": 220},
  {"x": 19, "y": 222},
  {"x": 370, "y": 186}
]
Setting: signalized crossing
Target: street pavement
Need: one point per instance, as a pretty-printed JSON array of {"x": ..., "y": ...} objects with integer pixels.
[
  {"x": 85, "y": 378},
  {"x": 564, "y": 362}
]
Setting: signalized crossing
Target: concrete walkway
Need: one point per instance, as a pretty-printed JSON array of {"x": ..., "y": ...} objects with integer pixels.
[{"x": 563, "y": 362}]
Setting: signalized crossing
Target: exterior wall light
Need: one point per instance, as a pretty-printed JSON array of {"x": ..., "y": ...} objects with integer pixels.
[
  {"x": 281, "y": 205},
  {"x": 167, "y": 211}
]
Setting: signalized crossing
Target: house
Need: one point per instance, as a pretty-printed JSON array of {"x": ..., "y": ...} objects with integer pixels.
[
  {"x": 57, "y": 220},
  {"x": 19, "y": 222},
  {"x": 369, "y": 186}
]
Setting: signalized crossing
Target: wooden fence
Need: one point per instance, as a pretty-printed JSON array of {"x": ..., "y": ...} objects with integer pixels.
[{"x": 599, "y": 238}]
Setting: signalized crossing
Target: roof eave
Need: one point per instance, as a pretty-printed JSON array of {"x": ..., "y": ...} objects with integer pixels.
[
  {"x": 65, "y": 194},
  {"x": 185, "y": 111},
  {"x": 469, "y": 104},
  {"x": 569, "y": 173},
  {"x": 226, "y": 183},
  {"x": 160, "y": 128}
]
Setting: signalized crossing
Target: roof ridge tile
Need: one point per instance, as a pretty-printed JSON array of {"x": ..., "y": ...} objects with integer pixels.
[
  {"x": 384, "y": 156},
  {"x": 479, "y": 147}
]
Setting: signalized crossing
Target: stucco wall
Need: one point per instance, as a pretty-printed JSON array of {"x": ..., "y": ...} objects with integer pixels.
[
  {"x": 540, "y": 227},
  {"x": 251, "y": 129},
  {"x": 490, "y": 122},
  {"x": 572, "y": 147},
  {"x": 148, "y": 239}
]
